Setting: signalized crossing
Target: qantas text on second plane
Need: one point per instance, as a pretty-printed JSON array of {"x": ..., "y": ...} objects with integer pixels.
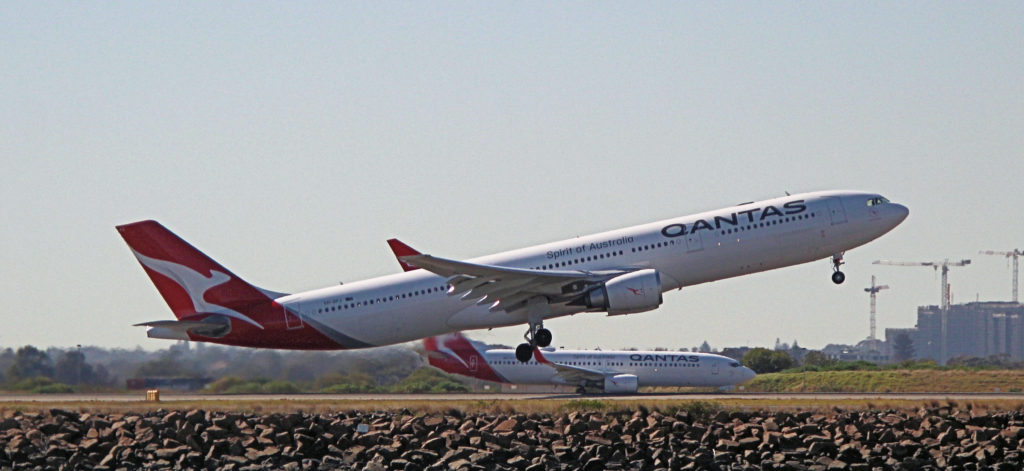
[
  {"x": 621, "y": 372},
  {"x": 619, "y": 272}
]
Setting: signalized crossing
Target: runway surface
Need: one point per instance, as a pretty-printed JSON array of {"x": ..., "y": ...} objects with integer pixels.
[{"x": 817, "y": 397}]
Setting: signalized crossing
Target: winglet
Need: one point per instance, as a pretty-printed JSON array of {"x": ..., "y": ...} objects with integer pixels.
[{"x": 401, "y": 250}]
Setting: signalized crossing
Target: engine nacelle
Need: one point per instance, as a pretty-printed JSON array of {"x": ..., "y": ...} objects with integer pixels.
[
  {"x": 633, "y": 292},
  {"x": 620, "y": 384}
]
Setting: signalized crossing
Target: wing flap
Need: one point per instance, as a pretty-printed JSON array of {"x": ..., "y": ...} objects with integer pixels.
[
  {"x": 468, "y": 285},
  {"x": 497, "y": 288}
]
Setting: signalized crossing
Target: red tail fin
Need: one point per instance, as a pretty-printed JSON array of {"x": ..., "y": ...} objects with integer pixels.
[
  {"x": 454, "y": 353},
  {"x": 402, "y": 250},
  {"x": 190, "y": 282}
]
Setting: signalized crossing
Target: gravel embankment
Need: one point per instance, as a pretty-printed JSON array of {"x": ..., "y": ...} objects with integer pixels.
[{"x": 932, "y": 438}]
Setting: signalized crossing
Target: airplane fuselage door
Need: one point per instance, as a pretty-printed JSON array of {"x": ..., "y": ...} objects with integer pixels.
[
  {"x": 835, "y": 210},
  {"x": 714, "y": 366},
  {"x": 292, "y": 321},
  {"x": 694, "y": 242}
]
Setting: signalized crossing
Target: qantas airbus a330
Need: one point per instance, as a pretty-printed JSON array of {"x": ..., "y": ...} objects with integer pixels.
[{"x": 619, "y": 272}]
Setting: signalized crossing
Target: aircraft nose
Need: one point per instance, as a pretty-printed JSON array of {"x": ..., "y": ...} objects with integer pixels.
[
  {"x": 748, "y": 374},
  {"x": 901, "y": 212}
]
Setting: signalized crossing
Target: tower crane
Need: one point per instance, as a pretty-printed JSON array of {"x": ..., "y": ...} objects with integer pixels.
[
  {"x": 1014, "y": 253},
  {"x": 874, "y": 289},
  {"x": 944, "y": 265}
]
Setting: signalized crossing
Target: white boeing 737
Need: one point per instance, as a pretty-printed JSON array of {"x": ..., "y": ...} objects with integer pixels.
[
  {"x": 619, "y": 372},
  {"x": 619, "y": 272}
]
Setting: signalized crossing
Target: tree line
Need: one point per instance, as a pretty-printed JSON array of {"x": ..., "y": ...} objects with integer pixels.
[
  {"x": 763, "y": 360},
  {"x": 30, "y": 369}
]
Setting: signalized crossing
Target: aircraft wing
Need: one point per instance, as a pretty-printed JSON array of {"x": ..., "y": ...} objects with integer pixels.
[
  {"x": 569, "y": 373},
  {"x": 509, "y": 288}
]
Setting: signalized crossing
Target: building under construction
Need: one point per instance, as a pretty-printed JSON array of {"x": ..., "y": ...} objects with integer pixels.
[{"x": 979, "y": 329}]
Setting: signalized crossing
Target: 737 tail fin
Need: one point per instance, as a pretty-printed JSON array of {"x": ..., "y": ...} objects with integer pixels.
[{"x": 456, "y": 354}]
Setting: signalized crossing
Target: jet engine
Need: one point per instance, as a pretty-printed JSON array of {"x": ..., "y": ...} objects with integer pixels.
[
  {"x": 620, "y": 384},
  {"x": 633, "y": 292}
]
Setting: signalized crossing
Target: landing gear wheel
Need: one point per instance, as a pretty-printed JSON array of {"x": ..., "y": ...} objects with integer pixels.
[
  {"x": 524, "y": 352},
  {"x": 837, "y": 276},
  {"x": 542, "y": 337},
  {"x": 536, "y": 309}
]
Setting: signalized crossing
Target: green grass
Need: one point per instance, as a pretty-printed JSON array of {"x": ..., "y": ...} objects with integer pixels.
[
  {"x": 924, "y": 380},
  {"x": 40, "y": 385},
  {"x": 586, "y": 405}
]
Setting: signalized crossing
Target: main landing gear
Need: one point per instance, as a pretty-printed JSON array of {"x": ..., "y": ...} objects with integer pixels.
[
  {"x": 536, "y": 336},
  {"x": 838, "y": 277}
]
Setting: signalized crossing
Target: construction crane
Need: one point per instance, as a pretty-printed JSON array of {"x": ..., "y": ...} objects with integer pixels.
[
  {"x": 1015, "y": 253},
  {"x": 874, "y": 289},
  {"x": 944, "y": 265}
]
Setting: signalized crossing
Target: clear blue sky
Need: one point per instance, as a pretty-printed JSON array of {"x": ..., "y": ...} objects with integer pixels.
[{"x": 290, "y": 140}]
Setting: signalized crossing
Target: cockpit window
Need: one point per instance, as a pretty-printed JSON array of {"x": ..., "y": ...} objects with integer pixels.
[
  {"x": 734, "y": 364},
  {"x": 877, "y": 201}
]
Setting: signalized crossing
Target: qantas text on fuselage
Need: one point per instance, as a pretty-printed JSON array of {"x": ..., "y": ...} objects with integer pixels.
[
  {"x": 605, "y": 371},
  {"x": 619, "y": 272}
]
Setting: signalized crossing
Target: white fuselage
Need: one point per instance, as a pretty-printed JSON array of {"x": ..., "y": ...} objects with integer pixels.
[
  {"x": 687, "y": 250},
  {"x": 652, "y": 368}
]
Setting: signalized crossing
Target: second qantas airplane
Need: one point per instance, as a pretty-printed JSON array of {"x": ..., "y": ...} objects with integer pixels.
[
  {"x": 619, "y": 272},
  {"x": 621, "y": 372}
]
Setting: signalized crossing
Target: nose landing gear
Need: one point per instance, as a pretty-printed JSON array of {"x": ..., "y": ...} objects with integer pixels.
[{"x": 838, "y": 277}]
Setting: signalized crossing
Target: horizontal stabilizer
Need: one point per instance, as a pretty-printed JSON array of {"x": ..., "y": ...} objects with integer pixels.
[{"x": 213, "y": 327}]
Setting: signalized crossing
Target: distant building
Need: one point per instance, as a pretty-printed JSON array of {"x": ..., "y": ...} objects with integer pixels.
[
  {"x": 979, "y": 329},
  {"x": 873, "y": 350}
]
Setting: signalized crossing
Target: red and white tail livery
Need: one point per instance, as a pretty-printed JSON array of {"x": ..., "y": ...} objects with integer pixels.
[
  {"x": 211, "y": 303},
  {"x": 622, "y": 271}
]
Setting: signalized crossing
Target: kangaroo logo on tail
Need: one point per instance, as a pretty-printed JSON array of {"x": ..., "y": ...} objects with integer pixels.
[
  {"x": 191, "y": 282},
  {"x": 454, "y": 353},
  {"x": 195, "y": 285},
  {"x": 440, "y": 345}
]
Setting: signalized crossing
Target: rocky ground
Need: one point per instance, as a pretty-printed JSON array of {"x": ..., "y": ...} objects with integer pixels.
[{"x": 927, "y": 438}]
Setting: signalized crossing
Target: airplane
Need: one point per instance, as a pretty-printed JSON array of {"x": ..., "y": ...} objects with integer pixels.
[
  {"x": 618, "y": 272},
  {"x": 618, "y": 372}
]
